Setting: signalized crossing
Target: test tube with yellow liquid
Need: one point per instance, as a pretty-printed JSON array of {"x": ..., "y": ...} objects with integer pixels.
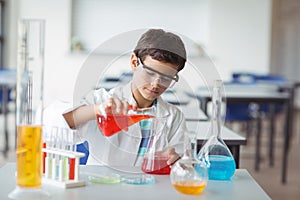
[{"x": 29, "y": 108}]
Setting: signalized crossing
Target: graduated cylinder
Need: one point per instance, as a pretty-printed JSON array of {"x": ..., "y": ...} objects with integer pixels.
[{"x": 30, "y": 74}]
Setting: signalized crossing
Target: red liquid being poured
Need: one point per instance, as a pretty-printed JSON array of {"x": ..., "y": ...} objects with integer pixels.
[
  {"x": 112, "y": 124},
  {"x": 157, "y": 166}
]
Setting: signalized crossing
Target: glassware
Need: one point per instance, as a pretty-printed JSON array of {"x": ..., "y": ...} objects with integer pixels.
[
  {"x": 110, "y": 124},
  {"x": 189, "y": 175},
  {"x": 220, "y": 162},
  {"x": 29, "y": 111},
  {"x": 155, "y": 159}
]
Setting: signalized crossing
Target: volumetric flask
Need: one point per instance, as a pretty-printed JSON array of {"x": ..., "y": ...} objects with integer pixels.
[
  {"x": 220, "y": 162},
  {"x": 156, "y": 157},
  {"x": 189, "y": 175},
  {"x": 110, "y": 124},
  {"x": 30, "y": 110}
]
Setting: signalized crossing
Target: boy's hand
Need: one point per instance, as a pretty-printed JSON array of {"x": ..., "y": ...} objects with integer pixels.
[
  {"x": 173, "y": 156},
  {"x": 112, "y": 106}
]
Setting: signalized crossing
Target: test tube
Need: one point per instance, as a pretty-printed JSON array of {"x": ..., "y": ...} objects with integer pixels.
[
  {"x": 54, "y": 158},
  {"x": 44, "y": 153},
  {"x": 61, "y": 148},
  {"x": 66, "y": 148},
  {"x": 72, "y": 160},
  {"x": 48, "y": 160}
]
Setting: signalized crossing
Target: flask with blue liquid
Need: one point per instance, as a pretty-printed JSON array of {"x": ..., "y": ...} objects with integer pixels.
[{"x": 214, "y": 152}]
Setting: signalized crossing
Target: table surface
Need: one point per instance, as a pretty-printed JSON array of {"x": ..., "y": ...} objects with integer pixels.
[
  {"x": 242, "y": 186},
  {"x": 257, "y": 91}
]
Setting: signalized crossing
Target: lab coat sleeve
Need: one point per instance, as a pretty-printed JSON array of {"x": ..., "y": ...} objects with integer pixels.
[{"x": 177, "y": 132}]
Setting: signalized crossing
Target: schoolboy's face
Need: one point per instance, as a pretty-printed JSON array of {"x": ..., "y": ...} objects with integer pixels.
[{"x": 150, "y": 79}]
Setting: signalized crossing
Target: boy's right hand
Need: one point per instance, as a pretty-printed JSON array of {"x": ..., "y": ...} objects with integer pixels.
[{"x": 113, "y": 106}]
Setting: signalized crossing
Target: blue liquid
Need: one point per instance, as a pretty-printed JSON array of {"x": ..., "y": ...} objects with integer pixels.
[{"x": 221, "y": 167}]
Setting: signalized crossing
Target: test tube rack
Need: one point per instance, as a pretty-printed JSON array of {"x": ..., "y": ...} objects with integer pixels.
[{"x": 59, "y": 179}]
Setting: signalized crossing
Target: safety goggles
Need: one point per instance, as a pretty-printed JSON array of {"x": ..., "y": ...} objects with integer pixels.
[{"x": 152, "y": 75}]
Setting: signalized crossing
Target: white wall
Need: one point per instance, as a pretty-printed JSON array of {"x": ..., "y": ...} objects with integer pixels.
[
  {"x": 236, "y": 33},
  {"x": 240, "y": 35}
]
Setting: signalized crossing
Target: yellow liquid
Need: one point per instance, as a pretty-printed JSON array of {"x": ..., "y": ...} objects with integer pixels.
[
  {"x": 29, "y": 156},
  {"x": 189, "y": 186}
]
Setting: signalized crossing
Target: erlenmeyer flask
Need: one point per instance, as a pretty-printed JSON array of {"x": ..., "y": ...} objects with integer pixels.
[
  {"x": 155, "y": 159},
  {"x": 189, "y": 175},
  {"x": 219, "y": 160},
  {"x": 110, "y": 124}
]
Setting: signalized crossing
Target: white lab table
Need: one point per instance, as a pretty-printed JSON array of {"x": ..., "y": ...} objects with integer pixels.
[{"x": 242, "y": 186}]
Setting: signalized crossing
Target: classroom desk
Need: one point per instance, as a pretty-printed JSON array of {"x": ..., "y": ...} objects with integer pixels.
[
  {"x": 242, "y": 186},
  {"x": 8, "y": 81},
  {"x": 231, "y": 139},
  {"x": 260, "y": 94}
]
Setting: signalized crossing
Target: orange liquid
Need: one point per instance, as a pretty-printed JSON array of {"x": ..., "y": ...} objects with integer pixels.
[
  {"x": 189, "y": 186},
  {"x": 157, "y": 166},
  {"x": 112, "y": 124},
  {"x": 29, "y": 156}
]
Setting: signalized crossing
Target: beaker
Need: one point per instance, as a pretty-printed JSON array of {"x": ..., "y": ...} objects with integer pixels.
[
  {"x": 156, "y": 156},
  {"x": 189, "y": 175},
  {"x": 110, "y": 124},
  {"x": 29, "y": 108},
  {"x": 220, "y": 162}
]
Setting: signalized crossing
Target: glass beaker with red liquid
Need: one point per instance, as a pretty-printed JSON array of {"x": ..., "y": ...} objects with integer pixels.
[
  {"x": 156, "y": 163},
  {"x": 155, "y": 159},
  {"x": 110, "y": 124}
]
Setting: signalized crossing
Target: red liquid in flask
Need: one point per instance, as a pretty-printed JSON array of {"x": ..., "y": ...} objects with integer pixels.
[
  {"x": 157, "y": 166},
  {"x": 112, "y": 124}
]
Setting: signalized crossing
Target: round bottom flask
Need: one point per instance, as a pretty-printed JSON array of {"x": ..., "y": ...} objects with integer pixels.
[
  {"x": 186, "y": 179},
  {"x": 189, "y": 175}
]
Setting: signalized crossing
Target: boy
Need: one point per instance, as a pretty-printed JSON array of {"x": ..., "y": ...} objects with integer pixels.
[{"x": 155, "y": 62}]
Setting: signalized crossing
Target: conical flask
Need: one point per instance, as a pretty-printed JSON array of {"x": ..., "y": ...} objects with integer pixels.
[
  {"x": 156, "y": 156},
  {"x": 219, "y": 160},
  {"x": 189, "y": 175},
  {"x": 110, "y": 123}
]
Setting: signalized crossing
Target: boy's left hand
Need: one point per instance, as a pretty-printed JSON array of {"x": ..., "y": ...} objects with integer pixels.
[{"x": 173, "y": 156}]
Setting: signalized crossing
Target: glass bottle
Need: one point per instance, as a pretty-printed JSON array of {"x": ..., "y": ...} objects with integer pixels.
[
  {"x": 30, "y": 110},
  {"x": 215, "y": 153},
  {"x": 189, "y": 175}
]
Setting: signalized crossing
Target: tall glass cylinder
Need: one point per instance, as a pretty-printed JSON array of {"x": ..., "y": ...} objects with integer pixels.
[{"x": 30, "y": 76}]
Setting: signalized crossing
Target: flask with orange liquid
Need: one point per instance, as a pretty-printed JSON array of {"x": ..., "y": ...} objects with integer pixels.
[
  {"x": 189, "y": 175},
  {"x": 29, "y": 111}
]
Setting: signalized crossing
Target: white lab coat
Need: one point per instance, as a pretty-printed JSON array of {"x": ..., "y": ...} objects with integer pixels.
[{"x": 121, "y": 149}]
